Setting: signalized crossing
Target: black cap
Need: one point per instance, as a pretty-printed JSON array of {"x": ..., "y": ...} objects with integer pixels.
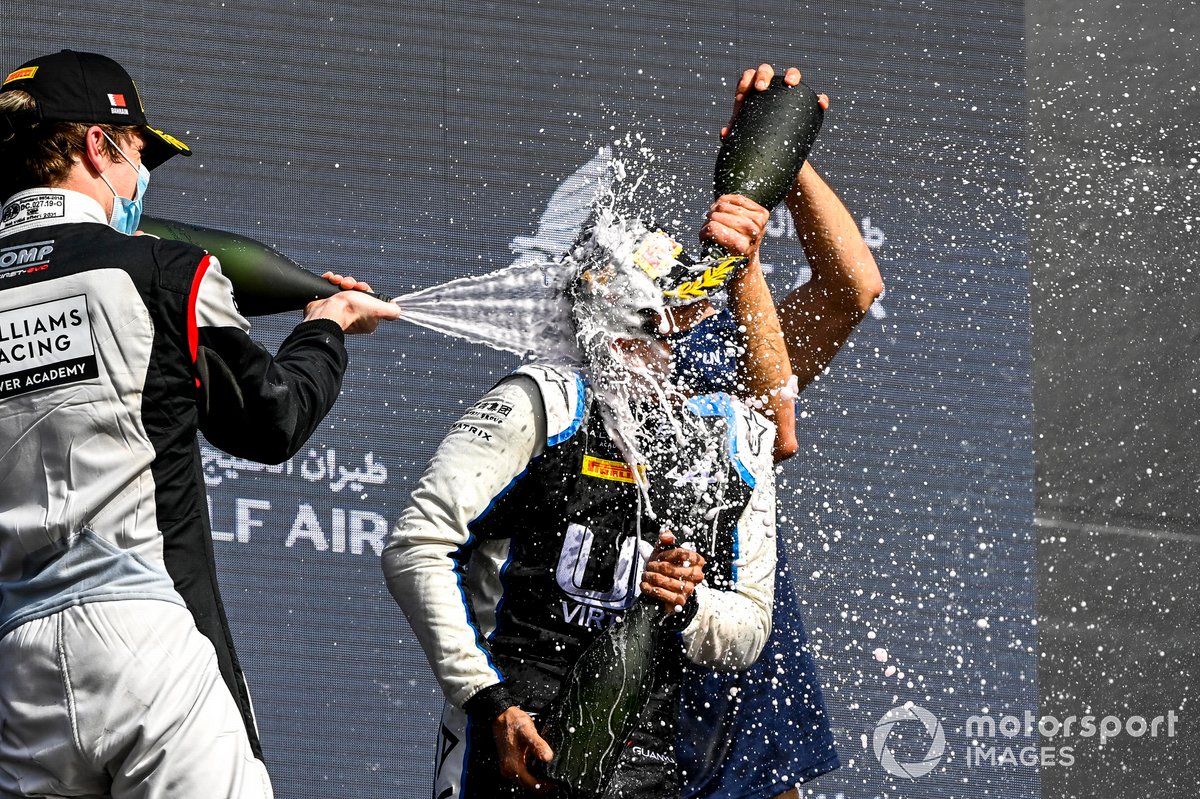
[{"x": 87, "y": 87}]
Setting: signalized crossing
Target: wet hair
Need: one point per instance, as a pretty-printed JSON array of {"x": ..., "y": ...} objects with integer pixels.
[{"x": 36, "y": 153}]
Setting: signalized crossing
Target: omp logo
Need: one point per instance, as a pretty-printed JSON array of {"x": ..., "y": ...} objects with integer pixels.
[
  {"x": 893, "y": 718},
  {"x": 25, "y": 255}
]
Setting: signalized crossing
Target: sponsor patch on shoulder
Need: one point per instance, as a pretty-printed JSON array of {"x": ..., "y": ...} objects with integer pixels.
[
  {"x": 475, "y": 430},
  {"x": 492, "y": 411}
]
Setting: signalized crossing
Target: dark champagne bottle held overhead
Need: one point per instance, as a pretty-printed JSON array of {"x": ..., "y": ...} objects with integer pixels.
[
  {"x": 265, "y": 281},
  {"x": 768, "y": 142},
  {"x": 600, "y": 701}
]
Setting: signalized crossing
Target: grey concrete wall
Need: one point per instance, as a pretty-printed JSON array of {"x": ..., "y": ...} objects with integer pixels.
[{"x": 1114, "y": 110}]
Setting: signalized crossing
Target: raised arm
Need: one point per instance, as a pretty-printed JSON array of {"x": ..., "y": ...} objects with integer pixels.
[
  {"x": 818, "y": 316},
  {"x": 764, "y": 374},
  {"x": 764, "y": 370}
]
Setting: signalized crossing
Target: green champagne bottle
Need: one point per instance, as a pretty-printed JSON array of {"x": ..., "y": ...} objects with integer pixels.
[
  {"x": 265, "y": 281},
  {"x": 600, "y": 701},
  {"x": 768, "y": 143}
]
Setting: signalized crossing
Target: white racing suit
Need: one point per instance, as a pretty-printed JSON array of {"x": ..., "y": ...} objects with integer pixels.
[
  {"x": 526, "y": 535},
  {"x": 117, "y": 673}
]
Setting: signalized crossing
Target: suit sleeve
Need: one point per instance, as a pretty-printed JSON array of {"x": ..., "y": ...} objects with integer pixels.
[
  {"x": 426, "y": 557},
  {"x": 252, "y": 404},
  {"x": 731, "y": 627}
]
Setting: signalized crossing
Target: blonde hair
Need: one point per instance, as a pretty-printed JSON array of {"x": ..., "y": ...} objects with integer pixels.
[{"x": 42, "y": 153}]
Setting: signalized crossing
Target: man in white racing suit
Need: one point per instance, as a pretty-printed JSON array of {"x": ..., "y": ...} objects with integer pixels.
[
  {"x": 530, "y": 531},
  {"x": 117, "y": 673}
]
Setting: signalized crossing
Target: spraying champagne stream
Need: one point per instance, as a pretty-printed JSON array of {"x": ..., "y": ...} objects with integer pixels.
[{"x": 772, "y": 135}]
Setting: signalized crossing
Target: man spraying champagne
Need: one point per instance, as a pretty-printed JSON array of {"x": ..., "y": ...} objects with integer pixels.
[{"x": 117, "y": 672}]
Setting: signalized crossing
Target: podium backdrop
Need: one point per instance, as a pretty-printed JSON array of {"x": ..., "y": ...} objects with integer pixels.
[{"x": 409, "y": 146}]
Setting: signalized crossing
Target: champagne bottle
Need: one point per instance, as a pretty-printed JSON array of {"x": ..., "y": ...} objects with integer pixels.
[
  {"x": 600, "y": 701},
  {"x": 265, "y": 281},
  {"x": 768, "y": 143}
]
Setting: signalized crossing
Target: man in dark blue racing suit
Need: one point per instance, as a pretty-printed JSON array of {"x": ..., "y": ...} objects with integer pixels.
[{"x": 758, "y": 733}]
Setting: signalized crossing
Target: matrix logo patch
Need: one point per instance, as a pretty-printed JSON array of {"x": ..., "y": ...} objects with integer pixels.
[
  {"x": 46, "y": 345},
  {"x": 609, "y": 470}
]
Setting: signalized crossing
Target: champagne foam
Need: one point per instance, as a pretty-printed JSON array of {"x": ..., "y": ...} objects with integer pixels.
[{"x": 585, "y": 309}]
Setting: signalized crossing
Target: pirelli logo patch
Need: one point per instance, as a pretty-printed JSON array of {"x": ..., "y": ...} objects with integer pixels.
[
  {"x": 46, "y": 345},
  {"x": 21, "y": 74},
  {"x": 609, "y": 470}
]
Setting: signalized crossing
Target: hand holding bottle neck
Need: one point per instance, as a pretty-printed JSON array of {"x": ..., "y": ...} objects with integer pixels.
[{"x": 672, "y": 574}]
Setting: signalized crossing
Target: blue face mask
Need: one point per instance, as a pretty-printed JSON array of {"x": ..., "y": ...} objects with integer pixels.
[{"x": 126, "y": 213}]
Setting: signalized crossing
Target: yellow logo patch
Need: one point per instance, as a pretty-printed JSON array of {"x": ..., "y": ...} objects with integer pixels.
[
  {"x": 609, "y": 470},
  {"x": 171, "y": 140},
  {"x": 21, "y": 74},
  {"x": 712, "y": 278}
]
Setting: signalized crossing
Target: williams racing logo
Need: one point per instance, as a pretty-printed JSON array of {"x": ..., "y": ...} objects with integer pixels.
[{"x": 46, "y": 345}]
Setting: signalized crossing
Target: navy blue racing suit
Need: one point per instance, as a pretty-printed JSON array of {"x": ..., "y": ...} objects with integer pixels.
[{"x": 750, "y": 734}]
